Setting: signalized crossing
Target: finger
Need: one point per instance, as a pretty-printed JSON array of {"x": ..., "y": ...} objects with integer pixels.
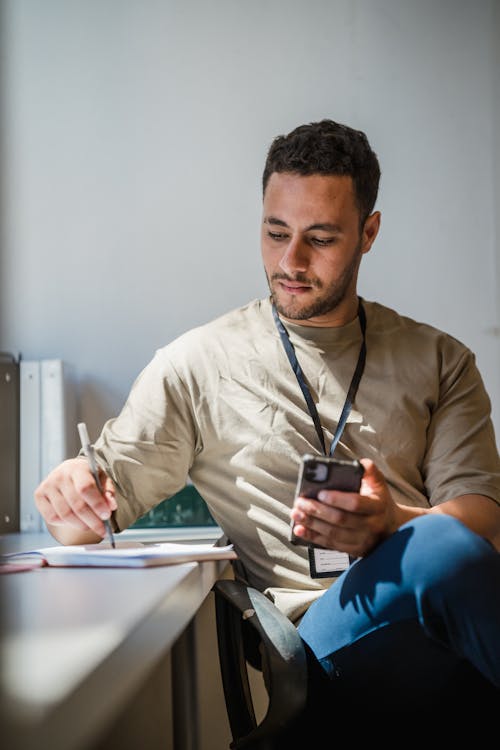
[
  {"x": 319, "y": 524},
  {"x": 52, "y": 517},
  {"x": 329, "y": 537},
  {"x": 62, "y": 502},
  {"x": 326, "y": 511},
  {"x": 49, "y": 501},
  {"x": 69, "y": 495},
  {"x": 328, "y": 526},
  {"x": 310, "y": 523},
  {"x": 350, "y": 502},
  {"x": 70, "y": 505},
  {"x": 82, "y": 487}
]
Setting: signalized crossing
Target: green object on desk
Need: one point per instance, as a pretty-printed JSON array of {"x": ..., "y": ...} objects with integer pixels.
[{"x": 186, "y": 508}]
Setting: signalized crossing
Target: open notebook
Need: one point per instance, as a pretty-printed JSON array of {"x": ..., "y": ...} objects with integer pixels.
[{"x": 125, "y": 555}]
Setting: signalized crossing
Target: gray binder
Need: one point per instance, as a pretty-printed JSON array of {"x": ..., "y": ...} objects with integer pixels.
[{"x": 9, "y": 443}]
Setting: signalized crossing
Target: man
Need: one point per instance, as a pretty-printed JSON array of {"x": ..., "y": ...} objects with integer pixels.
[{"x": 237, "y": 402}]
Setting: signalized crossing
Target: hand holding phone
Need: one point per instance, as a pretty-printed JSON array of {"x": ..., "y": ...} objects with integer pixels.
[{"x": 318, "y": 473}]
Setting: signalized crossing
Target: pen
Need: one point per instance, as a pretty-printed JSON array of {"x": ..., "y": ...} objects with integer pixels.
[{"x": 88, "y": 449}]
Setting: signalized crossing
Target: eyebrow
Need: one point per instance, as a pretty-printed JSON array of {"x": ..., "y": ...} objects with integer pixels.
[{"x": 325, "y": 227}]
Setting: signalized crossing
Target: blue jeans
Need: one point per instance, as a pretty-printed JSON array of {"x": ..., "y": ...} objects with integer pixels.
[{"x": 419, "y": 614}]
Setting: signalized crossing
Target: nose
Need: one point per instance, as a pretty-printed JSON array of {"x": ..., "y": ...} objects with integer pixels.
[{"x": 295, "y": 257}]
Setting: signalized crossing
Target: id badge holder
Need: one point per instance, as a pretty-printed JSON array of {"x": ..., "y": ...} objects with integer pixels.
[{"x": 327, "y": 563}]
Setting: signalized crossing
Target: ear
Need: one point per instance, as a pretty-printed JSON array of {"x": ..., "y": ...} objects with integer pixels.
[{"x": 370, "y": 231}]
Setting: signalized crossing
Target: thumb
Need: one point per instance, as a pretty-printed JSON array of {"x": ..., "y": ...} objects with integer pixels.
[{"x": 373, "y": 482}]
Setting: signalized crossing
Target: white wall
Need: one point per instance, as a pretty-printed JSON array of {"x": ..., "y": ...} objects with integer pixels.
[{"x": 134, "y": 134}]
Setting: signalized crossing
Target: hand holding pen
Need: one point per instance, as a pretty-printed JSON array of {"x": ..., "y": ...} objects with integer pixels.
[{"x": 88, "y": 450}]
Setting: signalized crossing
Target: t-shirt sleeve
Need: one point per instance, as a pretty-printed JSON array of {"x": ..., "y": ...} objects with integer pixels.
[
  {"x": 462, "y": 455},
  {"x": 149, "y": 447}
]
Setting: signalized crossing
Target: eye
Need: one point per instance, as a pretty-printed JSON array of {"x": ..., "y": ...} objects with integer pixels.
[
  {"x": 277, "y": 236},
  {"x": 322, "y": 241}
]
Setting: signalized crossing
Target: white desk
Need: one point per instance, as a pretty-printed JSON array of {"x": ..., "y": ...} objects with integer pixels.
[{"x": 77, "y": 642}]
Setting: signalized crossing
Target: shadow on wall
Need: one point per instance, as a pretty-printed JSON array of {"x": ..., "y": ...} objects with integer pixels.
[{"x": 95, "y": 404}]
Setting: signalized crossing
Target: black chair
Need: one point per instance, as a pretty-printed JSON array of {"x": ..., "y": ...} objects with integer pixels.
[{"x": 252, "y": 631}]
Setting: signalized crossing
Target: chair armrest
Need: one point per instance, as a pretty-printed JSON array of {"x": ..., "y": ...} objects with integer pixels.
[{"x": 244, "y": 615}]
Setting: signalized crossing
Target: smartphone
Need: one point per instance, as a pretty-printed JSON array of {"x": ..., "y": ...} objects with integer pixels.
[{"x": 318, "y": 473}]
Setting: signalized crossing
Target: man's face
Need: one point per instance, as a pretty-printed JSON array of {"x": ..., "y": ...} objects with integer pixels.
[{"x": 312, "y": 246}]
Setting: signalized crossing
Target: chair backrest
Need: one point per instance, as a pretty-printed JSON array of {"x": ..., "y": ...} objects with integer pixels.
[{"x": 252, "y": 630}]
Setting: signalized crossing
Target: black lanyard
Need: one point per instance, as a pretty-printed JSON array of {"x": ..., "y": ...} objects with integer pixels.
[{"x": 351, "y": 393}]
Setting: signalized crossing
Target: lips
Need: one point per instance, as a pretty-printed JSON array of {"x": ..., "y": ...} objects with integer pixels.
[{"x": 293, "y": 287}]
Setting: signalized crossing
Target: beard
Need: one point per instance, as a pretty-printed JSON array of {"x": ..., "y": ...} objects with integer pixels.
[{"x": 327, "y": 299}]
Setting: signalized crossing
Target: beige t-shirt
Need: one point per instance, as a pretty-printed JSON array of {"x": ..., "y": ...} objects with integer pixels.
[{"x": 222, "y": 405}]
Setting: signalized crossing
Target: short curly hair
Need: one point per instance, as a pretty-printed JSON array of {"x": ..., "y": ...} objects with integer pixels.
[{"x": 328, "y": 148}]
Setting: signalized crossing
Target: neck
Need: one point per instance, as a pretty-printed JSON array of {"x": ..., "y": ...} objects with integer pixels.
[{"x": 343, "y": 314}]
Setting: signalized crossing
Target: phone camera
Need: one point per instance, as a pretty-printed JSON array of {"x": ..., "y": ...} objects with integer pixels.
[{"x": 316, "y": 472}]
